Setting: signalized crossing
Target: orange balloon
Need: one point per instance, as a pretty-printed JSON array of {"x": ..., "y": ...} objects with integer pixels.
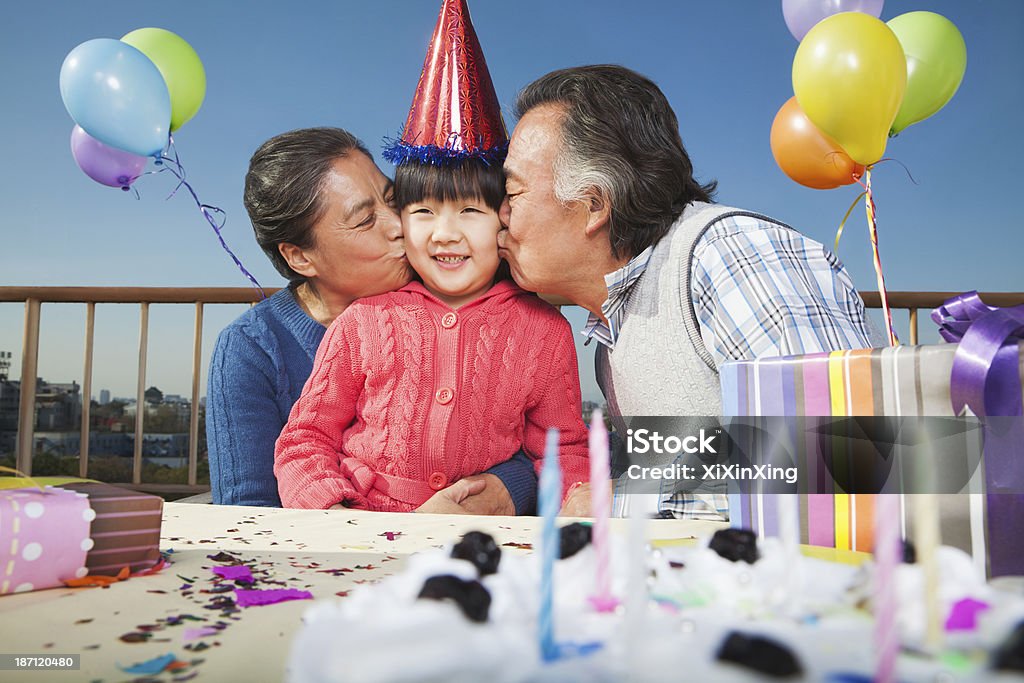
[{"x": 807, "y": 155}]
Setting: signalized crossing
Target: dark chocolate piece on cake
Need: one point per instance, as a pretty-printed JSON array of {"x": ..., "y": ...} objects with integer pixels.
[
  {"x": 574, "y": 538},
  {"x": 471, "y": 596},
  {"x": 479, "y": 549},
  {"x": 760, "y": 654},
  {"x": 735, "y": 545},
  {"x": 1010, "y": 655}
]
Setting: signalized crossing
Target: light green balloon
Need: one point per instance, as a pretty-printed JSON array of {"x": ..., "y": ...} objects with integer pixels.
[
  {"x": 936, "y": 61},
  {"x": 179, "y": 65}
]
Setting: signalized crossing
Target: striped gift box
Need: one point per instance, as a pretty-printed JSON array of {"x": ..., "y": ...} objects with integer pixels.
[
  {"x": 126, "y": 530},
  {"x": 898, "y": 381}
]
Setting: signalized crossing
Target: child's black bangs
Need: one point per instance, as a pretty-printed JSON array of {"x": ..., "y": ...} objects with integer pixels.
[{"x": 416, "y": 182}]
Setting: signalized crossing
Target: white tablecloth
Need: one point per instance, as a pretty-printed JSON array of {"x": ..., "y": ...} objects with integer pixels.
[{"x": 324, "y": 552}]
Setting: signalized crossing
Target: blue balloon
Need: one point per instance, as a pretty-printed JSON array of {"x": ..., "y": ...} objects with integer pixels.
[{"x": 117, "y": 95}]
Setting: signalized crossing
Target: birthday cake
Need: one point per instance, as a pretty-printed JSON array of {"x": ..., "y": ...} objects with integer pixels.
[{"x": 729, "y": 608}]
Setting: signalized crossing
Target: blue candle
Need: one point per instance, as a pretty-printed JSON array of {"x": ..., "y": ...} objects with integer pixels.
[{"x": 550, "y": 494}]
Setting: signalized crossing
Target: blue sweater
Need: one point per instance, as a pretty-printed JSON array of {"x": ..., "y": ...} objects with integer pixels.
[{"x": 259, "y": 366}]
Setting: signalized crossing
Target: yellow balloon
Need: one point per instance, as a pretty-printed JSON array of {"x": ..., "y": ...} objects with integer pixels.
[{"x": 849, "y": 76}]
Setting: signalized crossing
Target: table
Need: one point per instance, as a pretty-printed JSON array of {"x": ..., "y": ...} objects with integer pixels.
[{"x": 326, "y": 552}]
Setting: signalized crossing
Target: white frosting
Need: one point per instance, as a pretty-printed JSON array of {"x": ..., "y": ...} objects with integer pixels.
[{"x": 384, "y": 633}]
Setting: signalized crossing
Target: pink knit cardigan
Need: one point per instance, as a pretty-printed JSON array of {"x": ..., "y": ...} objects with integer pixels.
[{"x": 408, "y": 396}]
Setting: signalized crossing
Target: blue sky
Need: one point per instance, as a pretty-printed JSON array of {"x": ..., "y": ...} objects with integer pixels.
[{"x": 725, "y": 66}]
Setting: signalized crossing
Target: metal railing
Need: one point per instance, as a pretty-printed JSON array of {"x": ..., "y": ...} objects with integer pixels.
[{"x": 34, "y": 297}]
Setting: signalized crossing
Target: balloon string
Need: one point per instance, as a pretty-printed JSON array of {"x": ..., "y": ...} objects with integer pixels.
[
  {"x": 839, "y": 232},
  {"x": 907, "y": 170},
  {"x": 215, "y": 216},
  {"x": 869, "y": 206}
]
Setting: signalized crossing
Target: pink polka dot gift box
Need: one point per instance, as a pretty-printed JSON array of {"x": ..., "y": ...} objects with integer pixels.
[{"x": 80, "y": 528}]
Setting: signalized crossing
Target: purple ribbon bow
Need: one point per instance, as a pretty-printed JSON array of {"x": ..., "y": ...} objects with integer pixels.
[
  {"x": 986, "y": 378},
  {"x": 986, "y": 371}
]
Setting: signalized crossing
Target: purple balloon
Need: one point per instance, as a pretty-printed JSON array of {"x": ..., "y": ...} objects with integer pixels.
[
  {"x": 105, "y": 164},
  {"x": 801, "y": 15}
]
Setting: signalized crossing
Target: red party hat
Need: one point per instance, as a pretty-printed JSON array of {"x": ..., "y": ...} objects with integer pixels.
[{"x": 455, "y": 112}]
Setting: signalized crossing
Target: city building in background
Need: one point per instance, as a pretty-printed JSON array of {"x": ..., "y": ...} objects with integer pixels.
[{"x": 57, "y": 437}]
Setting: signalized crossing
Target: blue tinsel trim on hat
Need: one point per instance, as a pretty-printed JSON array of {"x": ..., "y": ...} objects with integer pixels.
[{"x": 398, "y": 152}]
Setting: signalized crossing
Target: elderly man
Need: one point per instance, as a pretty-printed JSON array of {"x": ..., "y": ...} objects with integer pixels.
[{"x": 604, "y": 210}]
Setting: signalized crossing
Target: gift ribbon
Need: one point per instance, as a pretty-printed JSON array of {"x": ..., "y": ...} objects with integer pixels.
[
  {"x": 986, "y": 379},
  {"x": 986, "y": 373},
  {"x": 19, "y": 473}
]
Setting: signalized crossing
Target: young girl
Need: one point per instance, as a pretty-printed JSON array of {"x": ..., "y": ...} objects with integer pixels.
[{"x": 414, "y": 390}]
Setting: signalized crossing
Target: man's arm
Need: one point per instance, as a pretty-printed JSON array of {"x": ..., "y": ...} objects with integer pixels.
[
  {"x": 242, "y": 422},
  {"x": 513, "y": 481},
  {"x": 762, "y": 290}
]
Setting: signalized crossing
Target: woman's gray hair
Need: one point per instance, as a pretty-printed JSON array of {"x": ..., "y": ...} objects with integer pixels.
[
  {"x": 283, "y": 187},
  {"x": 621, "y": 139}
]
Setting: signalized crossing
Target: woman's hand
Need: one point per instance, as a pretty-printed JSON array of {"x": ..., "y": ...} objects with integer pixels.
[
  {"x": 494, "y": 499},
  {"x": 450, "y": 500}
]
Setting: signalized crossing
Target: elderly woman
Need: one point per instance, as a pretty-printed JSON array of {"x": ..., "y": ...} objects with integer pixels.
[{"x": 323, "y": 213}]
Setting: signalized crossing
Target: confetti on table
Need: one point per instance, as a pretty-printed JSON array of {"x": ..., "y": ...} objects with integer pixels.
[
  {"x": 335, "y": 572},
  {"x": 256, "y": 598},
  {"x": 150, "y": 666},
  {"x": 197, "y": 633},
  {"x": 238, "y": 572},
  {"x": 521, "y": 546},
  {"x": 391, "y": 535},
  {"x": 98, "y": 580},
  {"x": 964, "y": 615},
  {"x": 224, "y": 558}
]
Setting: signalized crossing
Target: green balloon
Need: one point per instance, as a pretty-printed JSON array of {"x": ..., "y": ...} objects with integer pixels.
[
  {"x": 936, "y": 61},
  {"x": 179, "y": 65}
]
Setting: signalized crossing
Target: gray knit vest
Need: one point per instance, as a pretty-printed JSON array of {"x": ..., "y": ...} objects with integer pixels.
[{"x": 659, "y": 365}]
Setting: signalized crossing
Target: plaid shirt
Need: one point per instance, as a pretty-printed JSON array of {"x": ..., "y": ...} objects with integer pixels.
[
  {"x": 759, "y": 290},
  {"x": 619, "y": 283}
]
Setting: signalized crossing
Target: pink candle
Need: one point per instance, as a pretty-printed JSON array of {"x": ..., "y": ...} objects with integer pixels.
[
  {"x": 600, "y": 508},
  {"x": 888, "y": 554}
]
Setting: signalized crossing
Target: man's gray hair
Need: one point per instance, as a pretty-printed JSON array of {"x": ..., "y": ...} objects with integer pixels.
[{"x": 621, "y": 140}]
